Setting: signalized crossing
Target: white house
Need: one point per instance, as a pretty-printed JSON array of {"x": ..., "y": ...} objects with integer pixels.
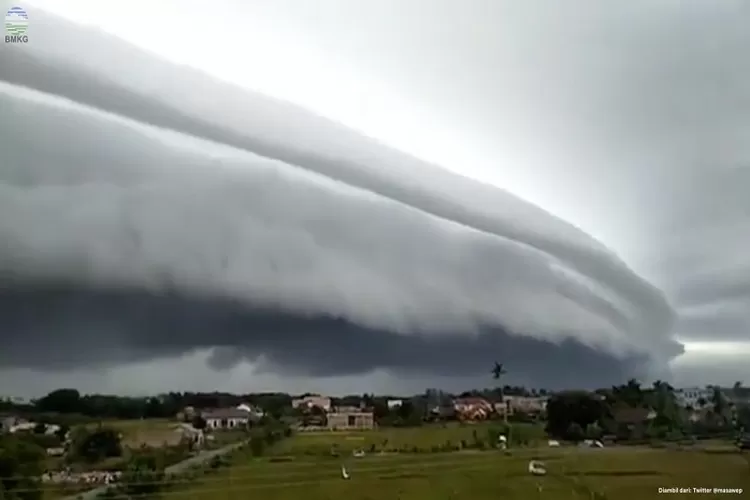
[
  {"x": 307, "y": 402},
  {"x": 226, "y": 418},
  {"x": 395, "y": 403},
  {"x": 253, "y": 411},
  {"x": 692, "y": 396}
]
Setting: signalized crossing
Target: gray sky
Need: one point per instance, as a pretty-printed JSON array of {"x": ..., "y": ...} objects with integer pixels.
[{"x": 629, "y": 121}]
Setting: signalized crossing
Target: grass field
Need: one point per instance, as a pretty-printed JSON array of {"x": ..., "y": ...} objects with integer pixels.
[
  {"x": 421, "y": 439},
  {"x": 152, "y": 432},
  {"x": 624, "y": 473}
]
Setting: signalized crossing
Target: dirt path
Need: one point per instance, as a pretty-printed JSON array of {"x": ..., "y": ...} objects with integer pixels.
[{"x": 199, "y": 459}]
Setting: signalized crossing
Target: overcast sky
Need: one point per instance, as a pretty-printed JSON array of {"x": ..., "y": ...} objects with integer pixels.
[{"x": 320, "y": 260}]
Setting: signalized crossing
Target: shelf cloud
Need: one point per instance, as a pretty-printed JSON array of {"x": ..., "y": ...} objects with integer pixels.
[{"x": 143, "y": 219}]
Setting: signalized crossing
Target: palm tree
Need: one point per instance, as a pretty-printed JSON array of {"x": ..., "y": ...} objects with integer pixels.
[
  {"x": 497, "y": 373},
  {"x": 720, "y": 404},
  {"x": 665, "y": 404}
]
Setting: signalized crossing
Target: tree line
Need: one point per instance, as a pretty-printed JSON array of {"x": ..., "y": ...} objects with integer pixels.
[
  {"x": 69, "y": 401},
  {"x": 576, "y": 415}
]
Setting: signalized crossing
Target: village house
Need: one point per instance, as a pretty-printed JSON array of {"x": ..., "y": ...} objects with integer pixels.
[
  {"x": 502, "y": 408},
  {"x": 394, "y": 403},
  {"x": 351, "y": 420},
  {"x": 693, "y": 397},
  {"x": 309, "y": 401},
  {"x": 346, "y": 409},
  {"x": 254, "y": 412},
  {"x": 226, "y": 418},
  {"x": 472, "y": 408},
  {"x": 525, "y": 404},
  {"x": 633, "y": 420},
  {"x": 7, "y": 422}
]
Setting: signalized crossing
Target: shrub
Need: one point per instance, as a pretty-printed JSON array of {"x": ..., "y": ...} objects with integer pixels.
[
  {"x": 144, "y": 475},
  {"x": 97, "y": 445}
]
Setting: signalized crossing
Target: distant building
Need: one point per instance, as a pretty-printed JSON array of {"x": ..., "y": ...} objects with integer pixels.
[
  {"x": 525, "y": 404},
  {"x": 254, "y": 412},
  {"x": 346, "y": 409},
  {"x": 359, "y": 420},
  {"x": 693, "y": 396},
  {"x": 7, "y": 422},
  {"x": 394, "y": 403},
  {"x": 633, "y": 421},
  {"x": 307, "y": 402},
  {"x": 226, "y": 418},
  {"x": 472, "y": 408}
]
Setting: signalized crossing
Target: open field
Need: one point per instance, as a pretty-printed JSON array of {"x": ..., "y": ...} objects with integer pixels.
[
  {"x": 151, "y": 432},
  {"x": 618, "y": 473},
  {"x": 421, "y": 439}
]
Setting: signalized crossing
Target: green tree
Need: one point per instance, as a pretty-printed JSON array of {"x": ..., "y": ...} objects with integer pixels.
[
  {"x": 61, "y": 401},
  {"x": 665, "y": 405},
  {"x": 580, "y": 407},
  {"x": 743, "y": 416},
  {"x": 593, "y": 431},
  {"x": 199, "y": 422},
  {"x": 92, "y": 446},
  {"x": 575, "y": 432},
  {"x": 720, "y": 404}
]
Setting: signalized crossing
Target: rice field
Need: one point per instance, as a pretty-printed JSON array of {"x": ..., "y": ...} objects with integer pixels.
[
  {"x": 400, "y": 440},
  {"x": 623, "y": 473}
]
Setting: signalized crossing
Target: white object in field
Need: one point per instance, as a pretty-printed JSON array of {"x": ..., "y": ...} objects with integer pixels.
[
  {"x": 553, "y": 443},
  {"x": 359, "y": 453},
  {"x": 502, "y": 439},
  {"x": 592, "y": 443},
  {"x": 344, "y": 474},
  {"x": 537, "y": 468}
]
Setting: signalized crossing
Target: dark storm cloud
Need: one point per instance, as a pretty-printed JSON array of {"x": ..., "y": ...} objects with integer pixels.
[
  {"x": 123, "y": 326},
  {"x": 286, "y": 239}
]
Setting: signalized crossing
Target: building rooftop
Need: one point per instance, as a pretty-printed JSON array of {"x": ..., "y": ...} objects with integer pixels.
[{"x": 225, "y": 413}]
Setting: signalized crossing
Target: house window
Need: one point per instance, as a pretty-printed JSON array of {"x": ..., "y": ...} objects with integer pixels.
[{"x": 351, "y": 420}]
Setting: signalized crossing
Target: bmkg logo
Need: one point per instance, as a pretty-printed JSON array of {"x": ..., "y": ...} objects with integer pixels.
[{"x": 16, "y": 24}]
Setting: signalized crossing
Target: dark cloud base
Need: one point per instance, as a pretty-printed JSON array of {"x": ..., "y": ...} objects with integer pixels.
[{"x": 115, "y": 326}]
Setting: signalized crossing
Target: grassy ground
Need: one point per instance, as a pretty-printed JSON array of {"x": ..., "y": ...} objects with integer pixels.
[
  {"x": 622, "y": 473},
  {"x": 151, "y": 432},
  {"x": 421, "y": 439}
]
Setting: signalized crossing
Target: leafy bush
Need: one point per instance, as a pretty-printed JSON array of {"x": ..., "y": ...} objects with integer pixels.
[
  {"x": 144, "y": 474},
  {"x": 95, "y": 446}
]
